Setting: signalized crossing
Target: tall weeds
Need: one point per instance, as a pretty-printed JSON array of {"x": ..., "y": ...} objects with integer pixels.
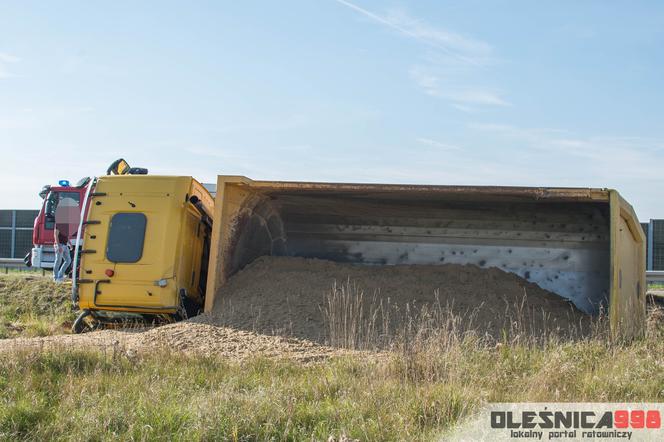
[{"x": 354, "y": 320}]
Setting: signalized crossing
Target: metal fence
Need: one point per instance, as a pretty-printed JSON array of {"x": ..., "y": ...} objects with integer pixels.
[
  {"x": 655, "y": 247},
  {"x": 16, "y": 232}
]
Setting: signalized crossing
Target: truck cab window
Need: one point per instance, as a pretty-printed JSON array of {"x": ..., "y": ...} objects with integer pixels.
[
  {"x": 55, "y": 199},
  {"x": 125, "y": 237},
  {"x": 70, "y": 199},
  {"x": 49, "y": 210}
]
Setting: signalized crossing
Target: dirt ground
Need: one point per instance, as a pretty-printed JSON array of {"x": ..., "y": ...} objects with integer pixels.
[{"x": 183, "y": 337}]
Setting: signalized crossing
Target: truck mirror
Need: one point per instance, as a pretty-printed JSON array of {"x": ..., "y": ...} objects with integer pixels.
[
  {"x": 51, "y": 204},
  {"x": 44, "y": 192},
  {"x": 118, "y": 167}
]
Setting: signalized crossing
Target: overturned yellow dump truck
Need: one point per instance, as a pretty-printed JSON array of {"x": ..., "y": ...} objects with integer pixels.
[
  {"x": 145, "y": 250},
  {"x": 585, "y": 245}
]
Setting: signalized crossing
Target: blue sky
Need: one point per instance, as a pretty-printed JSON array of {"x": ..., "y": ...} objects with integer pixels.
[{"x": 473, "y": 92}]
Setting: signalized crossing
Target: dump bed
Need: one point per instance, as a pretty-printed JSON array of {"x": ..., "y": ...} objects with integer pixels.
[{"x": 582, "y": 244}]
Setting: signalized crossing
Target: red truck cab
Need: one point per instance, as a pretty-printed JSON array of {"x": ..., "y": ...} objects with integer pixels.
[{"x": 43, "y": 253}]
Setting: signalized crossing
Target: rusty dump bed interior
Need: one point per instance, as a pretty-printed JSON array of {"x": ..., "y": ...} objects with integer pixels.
[{"x": 558, "y": 238}]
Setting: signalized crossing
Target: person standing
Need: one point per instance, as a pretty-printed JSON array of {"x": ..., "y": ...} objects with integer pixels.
[
  {"x": 62, "y": 254},
  {"x": 67, "y": 217}
]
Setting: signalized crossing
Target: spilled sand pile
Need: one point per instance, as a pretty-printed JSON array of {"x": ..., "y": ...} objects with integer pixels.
[
  {"x": 292, "y": 296},
  {"x": 179, "y": 338},
  {"x": 286, "y": 307}
]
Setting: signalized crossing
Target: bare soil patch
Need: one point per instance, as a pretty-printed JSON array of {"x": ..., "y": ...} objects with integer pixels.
[{"x": 183, "y": 337}]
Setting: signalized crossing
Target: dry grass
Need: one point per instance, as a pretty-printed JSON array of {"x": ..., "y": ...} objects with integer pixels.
[
  {"x": 356, "y": 321},
  {"x": 441, "y": 370},
  {"x": 33, "y": 305},
  {"x": 401, "y": 395}
]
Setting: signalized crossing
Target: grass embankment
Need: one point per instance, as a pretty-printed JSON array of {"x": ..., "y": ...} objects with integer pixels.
[
  {"x": 33, "y": 305},
  {"x": 410, "y": 394},
  {"x": 88, "y": 396}
]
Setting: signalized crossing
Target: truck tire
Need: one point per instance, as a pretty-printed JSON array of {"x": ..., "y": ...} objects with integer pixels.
[
  {"x": 81, "y": 325},
  {"x": 188, "y": 307}
]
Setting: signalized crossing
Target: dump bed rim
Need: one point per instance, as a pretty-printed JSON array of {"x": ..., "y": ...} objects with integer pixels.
[{"x": 536, "y": 193}]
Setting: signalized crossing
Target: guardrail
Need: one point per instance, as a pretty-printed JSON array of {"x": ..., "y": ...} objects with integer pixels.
[
  {"x": 655, "y": 276},
  {"x": 11, "y": 262},
  {"x": 17, "y": 264}
]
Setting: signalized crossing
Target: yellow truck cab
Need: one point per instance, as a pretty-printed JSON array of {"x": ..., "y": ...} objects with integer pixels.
[{"x": 146, "y": 243}]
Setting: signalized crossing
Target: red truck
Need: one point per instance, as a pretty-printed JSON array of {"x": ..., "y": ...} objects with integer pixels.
[{"x": 43, "y": 253}]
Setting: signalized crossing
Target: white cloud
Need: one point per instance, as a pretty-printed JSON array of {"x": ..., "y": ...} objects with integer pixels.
[
  {"x": 437, "y": 144},
  {"x": 452, "y": 59},
  {"x": 8, "y": 58},
  {"x": 463, "y": 97},
  {"x": 40, "y": 119},
  {"x": 600, "y": 158},
  {"x": 5, "y": 60},
  {"x": 478, "y": 96},
  {"x": 462, "y": 48},
  {"x": 281, "y": 123},
  {"x": 428, "y": 82},
  {"x": 465, "y": 48},
  {"x": 518, "y": 132},
  {"x": 242, "y": 153}
]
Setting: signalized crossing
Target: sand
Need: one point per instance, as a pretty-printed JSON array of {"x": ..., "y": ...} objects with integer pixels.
[
  {"x": 179, "y": 338},
  {"x": 305, "y": 309},
  {"x": 290, "y": 297}
]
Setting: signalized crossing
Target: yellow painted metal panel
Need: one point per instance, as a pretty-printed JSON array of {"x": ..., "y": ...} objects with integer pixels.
[
  {"x": 171, "y": 250},
  {"x": 228, "y": 202},
  {"x": 627, "y": 307}
]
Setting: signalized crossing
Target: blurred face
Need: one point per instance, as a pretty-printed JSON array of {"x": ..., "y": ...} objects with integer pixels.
[{"x": 67, "y": 211}]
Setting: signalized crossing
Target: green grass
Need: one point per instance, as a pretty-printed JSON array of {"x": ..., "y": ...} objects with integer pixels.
[
  {"x": 411, "y": 394},
  {"x": 33, "y": 305},
  {"x": 71, "y": 395}
]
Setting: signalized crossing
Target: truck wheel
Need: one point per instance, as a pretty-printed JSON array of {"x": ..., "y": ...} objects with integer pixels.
[
  {"x": 188, "y": 307},
  {"x": 81, "y": 325}
]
